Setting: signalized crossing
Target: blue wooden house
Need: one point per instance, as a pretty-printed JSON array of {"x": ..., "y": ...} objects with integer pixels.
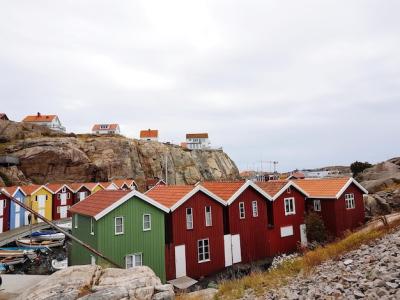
[{"x": 18, "y": 215}]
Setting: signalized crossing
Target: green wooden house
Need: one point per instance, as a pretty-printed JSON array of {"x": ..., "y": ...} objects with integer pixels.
[{"x": 126, "y": 226}]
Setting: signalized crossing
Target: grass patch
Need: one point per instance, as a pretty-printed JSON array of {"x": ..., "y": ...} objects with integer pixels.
[{"x": 271, "y": 279}]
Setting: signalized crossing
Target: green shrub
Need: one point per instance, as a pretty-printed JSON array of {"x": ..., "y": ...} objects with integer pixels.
[{"x": 316, "y": 230}]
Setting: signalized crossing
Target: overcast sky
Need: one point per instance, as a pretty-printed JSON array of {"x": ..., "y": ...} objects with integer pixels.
[{"x": 306, "y": 83}]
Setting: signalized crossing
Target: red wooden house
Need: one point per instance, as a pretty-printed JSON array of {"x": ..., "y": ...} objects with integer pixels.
[
  {"x": 286, "y": 212},
  {"x": 80, "y": 191},
  {"x": 339, "y": 201},
  {"x": 63, "y": 199},
  {"x": 194, "y": 230},
  {"x": 4, "y": 212},
  {"x": 246, "y": 220}
]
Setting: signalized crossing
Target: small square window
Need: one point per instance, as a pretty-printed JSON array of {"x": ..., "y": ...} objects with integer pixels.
[
  {"x": 350, "y": 203},
  {"x": 317, "y": 205},
  {"x": 242, "y": 212},
  {"x": 119, "y": 225},
  {"x": 146, "y": 222},
  {"x": 133, "y": 260},
  {"x": 289, "y": 206},
  {"x": 203, "y": 247},
  {"x": 254, "y": 206}
]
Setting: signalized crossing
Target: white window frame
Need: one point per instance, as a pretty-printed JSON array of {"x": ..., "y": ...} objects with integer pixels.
[
  {"x": 242, "y": 210},
  {"x": 122, "y": 226},
  {"x": 350, "y": 201},
  {"x": 208, "y": 216},
  {"x": 200, "y": 244},
  {"x": 91, "y": 226},
  {"x": 317, "y": 205},
  {"x": 76, "y": 220},
  {"x": 133, "y": 257},
  {"x": 289, "y": 212},
  {"x": 254, "y": 206},
  {"x": 149, "y": 222},
  {"x": 189, "y": 223}
]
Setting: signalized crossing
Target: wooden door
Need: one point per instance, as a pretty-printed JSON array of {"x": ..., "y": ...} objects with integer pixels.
[
  {"x": 180, "y": 261},
  {"x": 236, "y": 251},
  {"x": 41, "y": 206},
  {"x": 63, "y": 211},
  {"x": 228, "y": 250},
  {"x": 303, "y": 235}
]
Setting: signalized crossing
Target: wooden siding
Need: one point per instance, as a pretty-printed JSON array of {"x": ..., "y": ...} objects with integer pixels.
[
  {"x": 278, "y": 244},
  {"x": 189, "y": 237},
  {"x": 252, "y": 230},
  {"x": 76, "y": 194},
  {"x": 32, "y": 202},
  {"x": 5, "y": 212},
  {"x": 79, "y": 255},
  {"x": 133, "y": 240},
  {"x": 57, "y": 203},
  {"x": 337, "y": 218}
]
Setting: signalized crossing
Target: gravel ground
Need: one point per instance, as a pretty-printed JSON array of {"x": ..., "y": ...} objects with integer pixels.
[{"x": 371, "y": 272}]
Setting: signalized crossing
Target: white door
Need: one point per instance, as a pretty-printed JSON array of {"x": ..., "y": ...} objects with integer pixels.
[
  {"x": 236, "y": 252},
  {"x": 26, "y": 217},
  {"x": 303, "y": 235},
  {"x": 63, "y": 211},
  {"x": 41, "y": 206},
  {"x": 82, "y": 195},
  {"x": 63, "y": 198},
  {"x": 17, "y": 222},
  {"x": 228, "y": 249},
  {"x": 1, "y": 215},
  {"x": 180, "y": 261}
]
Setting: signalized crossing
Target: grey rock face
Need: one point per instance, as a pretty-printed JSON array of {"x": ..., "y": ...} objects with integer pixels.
[{"x": 93, "y": 282}]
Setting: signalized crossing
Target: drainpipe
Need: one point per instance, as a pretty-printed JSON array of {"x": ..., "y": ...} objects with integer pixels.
[{"x": 51, "y": 224}]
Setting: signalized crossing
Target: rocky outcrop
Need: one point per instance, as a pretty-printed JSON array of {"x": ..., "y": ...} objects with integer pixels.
[
  {"x": 46, "y": 157},
  {"x": 93, "y": 282},
  {"x": 371, "y": 272},
  {"x": 381, "y": 176}
]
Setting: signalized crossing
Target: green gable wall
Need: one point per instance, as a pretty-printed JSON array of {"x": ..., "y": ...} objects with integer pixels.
[
  {"x": 79, "y": 255},
  {"x": 134, "y": 240}
]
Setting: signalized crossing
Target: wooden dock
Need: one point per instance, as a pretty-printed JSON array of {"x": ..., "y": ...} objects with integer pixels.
[{"x": 23, "y": 231}]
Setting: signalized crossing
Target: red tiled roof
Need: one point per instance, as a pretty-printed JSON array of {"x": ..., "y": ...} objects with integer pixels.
[
  {"x": 272, "y": 187},
  {"x": 75, "y": 186},
  {"x": 96, "y": 127},
  {"x": 97, "y": 202},
  {"x": 148, "y": 133},
  {"x": 55, "y": 187},
  {"x": 197, "y": 135},
  {"x": 10, "y": 189},
  {"x": 298, "y": 175},
  {"x": 168, "y": 195},
  {"x": 224, "y": 190},
  {"x": 90, "y": 185},
  {"x": 39, "y": 118},
  {"x": 120, "y": 182},
  {"x": 322, "y": 187},
  {"x": 29, "y": 189}
]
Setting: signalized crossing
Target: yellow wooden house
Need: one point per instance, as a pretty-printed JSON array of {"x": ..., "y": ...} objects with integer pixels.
[{"x": 40, "y": 199}]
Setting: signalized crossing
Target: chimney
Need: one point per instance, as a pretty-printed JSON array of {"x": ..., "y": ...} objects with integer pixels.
[{"x": 38, "y": 114}]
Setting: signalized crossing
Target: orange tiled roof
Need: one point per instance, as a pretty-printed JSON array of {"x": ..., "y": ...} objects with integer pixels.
[
  {"x": 29, "y": 189},
  {"x": 39, "y": 118},
  {"x": 322, "y": 187},
  {"x": 272, "y": 187},
  {"x": 224, "y": 190},
  {"x": 10, "y": 189},
  {"x": 75, "y": 186},
  {"x": 148, "y": 133},
  {"x": 120, "y": 182},
  {"x": 197, "y": 135},
  {"x": 168, "y": 195},
  {"x": 298, "y": 175},
  {"x": 90, "y": 185},
  {"x": 96, "y": 127},
  {"x": 97, "y": 202},
  {"x": 54, "y": 187}
]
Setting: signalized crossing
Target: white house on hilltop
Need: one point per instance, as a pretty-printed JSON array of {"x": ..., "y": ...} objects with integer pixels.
[
  {"x": 197, "y": 141},
  {"x": 50, "y": 121},
  {"x": 106, "y": 129}
]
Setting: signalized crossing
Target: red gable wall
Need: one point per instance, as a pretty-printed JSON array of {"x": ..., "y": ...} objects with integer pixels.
[
  {"x": 189, "y": 238},
  {"x": 252, "y": 230}
]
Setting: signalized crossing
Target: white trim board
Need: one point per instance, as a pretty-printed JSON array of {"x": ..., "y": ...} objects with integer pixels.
[
  {"x": 244, "y": 187},
  {"x": 196, "y": 189},
  {"x": 286, "y": 186},
  {"x": 126, "y": 198}
]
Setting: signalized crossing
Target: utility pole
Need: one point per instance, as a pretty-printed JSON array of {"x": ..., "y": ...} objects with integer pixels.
[
  {"x": 67, "y": 234},
  {"x": 166, "y": 168}
]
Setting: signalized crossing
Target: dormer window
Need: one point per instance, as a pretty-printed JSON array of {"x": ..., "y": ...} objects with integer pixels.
[{"x": 104, "y": 126}]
